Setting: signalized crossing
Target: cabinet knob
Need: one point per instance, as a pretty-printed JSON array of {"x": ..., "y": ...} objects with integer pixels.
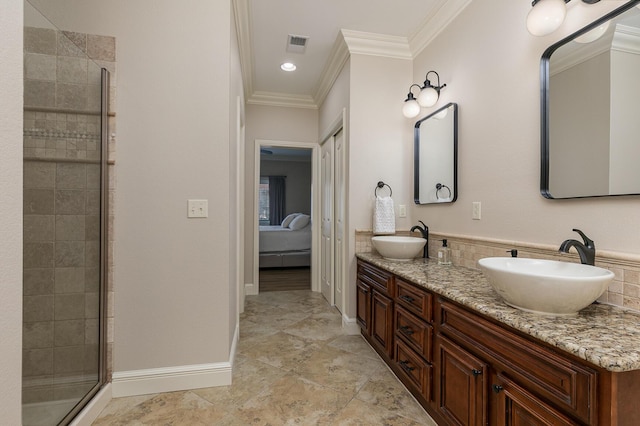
[
  {"x": 476, "y": 372},
  {"x": 406, "y": 330},
  {"x": 497, "y": 388},
  {"x": 407, "y": 298}
]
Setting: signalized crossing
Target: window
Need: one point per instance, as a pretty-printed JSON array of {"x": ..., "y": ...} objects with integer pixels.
[{"x": 263, "y": 201}]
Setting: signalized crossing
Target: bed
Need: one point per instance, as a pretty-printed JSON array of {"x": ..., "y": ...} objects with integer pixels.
[{"x": 286, "y": 246}]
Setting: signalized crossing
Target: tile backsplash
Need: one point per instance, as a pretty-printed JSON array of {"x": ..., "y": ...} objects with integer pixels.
[{"x": 624, "y": 291}]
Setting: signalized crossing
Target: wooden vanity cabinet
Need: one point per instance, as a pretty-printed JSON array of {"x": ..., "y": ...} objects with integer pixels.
[
  {"x": 414, "y": 339},
  {"x": 544, "y": 373},
  {"x": 468, "y": 369},
  {"x": 375, "y": 308},
  {"x": 461, "y": 383},
  {"x": 513, "y": 405}
]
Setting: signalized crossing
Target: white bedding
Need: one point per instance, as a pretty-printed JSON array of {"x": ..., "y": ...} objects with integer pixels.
[{"x": 277, "y": 239}]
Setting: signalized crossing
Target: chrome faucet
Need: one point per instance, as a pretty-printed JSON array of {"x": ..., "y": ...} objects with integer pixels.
[
  {"x": 586, "y": 251},
  {"x": 424, "y": 231}
]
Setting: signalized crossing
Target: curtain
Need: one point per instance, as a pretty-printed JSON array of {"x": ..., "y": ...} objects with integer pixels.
[{"x": 277, "y": 206}]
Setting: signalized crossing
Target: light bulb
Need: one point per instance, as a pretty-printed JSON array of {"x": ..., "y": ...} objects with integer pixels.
[
  {"x": 442, "y": 114},
  {"x": 546, "y": 17},
  {"x": 594, "y": 34},
  {"x": 410, "y": 108},
  {"x": 288, "y": 66},
  {"x": 428, "y": 97}
]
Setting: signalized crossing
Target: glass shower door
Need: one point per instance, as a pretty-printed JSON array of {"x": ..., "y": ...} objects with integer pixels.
[{"x": 64, "y": 223}]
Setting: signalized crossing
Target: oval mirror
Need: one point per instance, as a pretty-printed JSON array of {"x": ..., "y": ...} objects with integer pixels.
[
  {"x": 435, "y": 158},
  {"x": 590, "y": 103}
]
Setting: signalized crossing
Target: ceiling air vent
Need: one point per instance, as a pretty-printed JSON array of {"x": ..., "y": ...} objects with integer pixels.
[{"x": 297, "y": 43}]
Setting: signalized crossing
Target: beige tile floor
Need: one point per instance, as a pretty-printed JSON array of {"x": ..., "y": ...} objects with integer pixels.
[{"x": 294, "y": 366}]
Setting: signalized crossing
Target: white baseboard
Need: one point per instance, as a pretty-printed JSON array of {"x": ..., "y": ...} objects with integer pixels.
[
  {"x": 250, "y": 289},
  {"x": 350, "y": 326},
  {"x": 93, "y": 409},
  {"x": 170, "y": 379}
]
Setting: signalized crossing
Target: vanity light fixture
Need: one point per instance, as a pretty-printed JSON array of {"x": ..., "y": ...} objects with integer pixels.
[
  {"x": 427, "y": 97},
  {"x": 288, "y": 66},
  {"x": 546, "y": 16},
  {"x": 429, "y": 94},
  {"x": 411, "y": 107}
]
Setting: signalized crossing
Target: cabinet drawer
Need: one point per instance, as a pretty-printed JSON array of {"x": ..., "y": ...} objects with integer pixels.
[
  {"x": 414, "y": 299},
  {"x": 568, "y": 384},
  {"x": 376, "y": 277},
  {"x": 413, "y": 369},
  {"x": 416, "y": 333}
]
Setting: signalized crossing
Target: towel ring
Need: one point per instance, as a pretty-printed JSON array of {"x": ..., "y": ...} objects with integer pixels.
[
  {"x": 381, "y": 184},
  {"x": 439, "y": 186}
]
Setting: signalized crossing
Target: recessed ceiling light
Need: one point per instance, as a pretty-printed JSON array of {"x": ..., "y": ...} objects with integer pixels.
[{"x": 288, "y": 66}]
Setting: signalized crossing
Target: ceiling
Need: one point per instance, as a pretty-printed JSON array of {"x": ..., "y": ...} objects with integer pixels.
[{"x": 403, "y": 27}]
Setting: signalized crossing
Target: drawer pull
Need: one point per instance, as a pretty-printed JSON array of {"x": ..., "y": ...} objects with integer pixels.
[
  {"x": 476, "y": 372},
  {"x": 405, "y": 366},
  {"x": 497, "y": 388},
  {"x": 407, "y": 298},
  {"x": 406, "y": 330}
]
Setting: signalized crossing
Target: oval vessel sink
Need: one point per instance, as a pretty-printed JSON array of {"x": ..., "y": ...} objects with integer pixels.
[
  {"x": 395, "y": 247},
  {"x": 545, "y": 286}
]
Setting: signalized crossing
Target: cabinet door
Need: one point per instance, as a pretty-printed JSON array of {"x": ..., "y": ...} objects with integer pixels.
[
  {"x": 382, "y": 322},
  {"x": 363, "y": 314},
  {"x": 462, "y": 393},
  {"x": 512, "y": 405}
]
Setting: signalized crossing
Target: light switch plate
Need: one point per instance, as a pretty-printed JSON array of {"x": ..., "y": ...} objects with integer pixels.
[
  {"x": 402, "y": 210},
  {"x": 198, "y": 208},
  {"x": 477, "y": 210}
]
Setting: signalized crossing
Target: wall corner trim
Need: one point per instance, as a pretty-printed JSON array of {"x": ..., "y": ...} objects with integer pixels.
[
  {"x": 350, "y": 326},
  {"x": 169, "y": 379}
]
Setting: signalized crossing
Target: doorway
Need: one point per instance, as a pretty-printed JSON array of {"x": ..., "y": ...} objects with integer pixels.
[{"x": 284, "y": 225}]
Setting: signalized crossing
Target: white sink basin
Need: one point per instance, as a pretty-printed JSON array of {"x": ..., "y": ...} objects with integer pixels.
[
  {"x": 545, "y": 286},
  {"x": 394, "y": 247}
]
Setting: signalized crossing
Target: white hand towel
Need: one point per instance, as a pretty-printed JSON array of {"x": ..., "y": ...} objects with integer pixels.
[{"x": 384, "y": 218}]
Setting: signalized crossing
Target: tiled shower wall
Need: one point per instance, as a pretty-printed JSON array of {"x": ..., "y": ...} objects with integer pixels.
[
  {"x": 61, "y": 210},
  {"x": 624, "y": 291}
]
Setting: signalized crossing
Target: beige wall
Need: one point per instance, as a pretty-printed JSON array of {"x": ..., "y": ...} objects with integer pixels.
[
  {"x": 380, "y": 146},
  {"x": 336, "y": 100},
  {"x": 11, "y": 210},
  {"x": 492, "y": 71},
  {"x": 579, "y": 144},
  {"x": 276, "y": 124},
  {"x": 625, "y": 149},
  {"x": 172, "y": 277}
]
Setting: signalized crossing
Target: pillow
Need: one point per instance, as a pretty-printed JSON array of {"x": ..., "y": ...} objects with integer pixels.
[
  {"x": 287, "y": 220},
  {"x": 300, "y": 222}
]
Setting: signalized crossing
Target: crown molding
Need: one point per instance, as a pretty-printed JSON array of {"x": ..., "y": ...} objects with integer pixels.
[
  {"x": 363, "y": 43},
  {"x": 626, "y": 39},
  {"x": 435, "y": 23},
  {"x": 282, "y": 100},
  {"x": 337, "y": 58}
]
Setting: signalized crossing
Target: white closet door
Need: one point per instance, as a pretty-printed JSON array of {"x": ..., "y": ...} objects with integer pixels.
[
  {"x": 339, "y": 218},
  {"x": 327, "y": 232}
]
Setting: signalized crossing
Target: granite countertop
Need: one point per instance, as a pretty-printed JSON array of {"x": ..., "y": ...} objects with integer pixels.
[{"x": 604, "y": 335}]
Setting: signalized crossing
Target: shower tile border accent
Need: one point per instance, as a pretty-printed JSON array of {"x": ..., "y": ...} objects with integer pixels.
[{"x": 466, "y": 250}]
